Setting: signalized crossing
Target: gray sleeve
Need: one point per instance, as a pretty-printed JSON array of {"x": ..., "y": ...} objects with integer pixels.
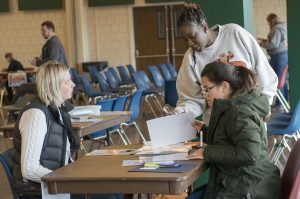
[
  {"x": 273, "y": 40},
  {"x": 53, "y": 52}
]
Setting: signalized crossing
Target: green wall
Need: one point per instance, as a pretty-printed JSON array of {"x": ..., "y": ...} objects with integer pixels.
[
  {"x": 95, "y": 3},
  {"x": 229, "y": 11},
  {"x": 40, "y": 4},
  {"x": 294, "y": 49},
  {"x": 4, "y": 6}
]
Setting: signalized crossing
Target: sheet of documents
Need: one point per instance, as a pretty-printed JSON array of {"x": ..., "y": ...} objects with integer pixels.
[
  {"x": 85, "y": 110},
  {"x": 171, "y": 129}
]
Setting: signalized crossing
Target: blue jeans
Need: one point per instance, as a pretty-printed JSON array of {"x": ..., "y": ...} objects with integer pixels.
[{"x": 278, "y": 63}]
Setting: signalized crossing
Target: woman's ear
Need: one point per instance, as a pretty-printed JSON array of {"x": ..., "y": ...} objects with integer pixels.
[
  {"x": 204, "y": 27},
  {"x": 226, "y": 88}
]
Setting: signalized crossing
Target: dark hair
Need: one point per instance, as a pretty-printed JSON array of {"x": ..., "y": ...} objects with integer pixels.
[
  {"x": 49, "y": 25},
  {"x": 8, "y": 55},
  {"x": 273, "y": 19},
  {"x": 192, "y": 14},
  {"x": 240, "y": 78}
]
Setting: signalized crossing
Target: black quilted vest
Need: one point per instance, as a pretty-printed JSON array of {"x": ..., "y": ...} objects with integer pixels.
[{"x": 54, "y": 147}]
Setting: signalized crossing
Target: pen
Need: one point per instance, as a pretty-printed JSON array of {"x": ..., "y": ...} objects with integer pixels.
[{"x": 201, "y": 139}]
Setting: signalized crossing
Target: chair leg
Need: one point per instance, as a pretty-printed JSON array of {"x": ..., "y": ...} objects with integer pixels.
[
  {"x": 139, "y": 131},
  {"x": 282, "y": 101},
  {"x": 91, "y": 145},
  {"x": 82, "y": 147},
  {"x": 273, "y": 147},
  {"x": 122, "y": 130},
  {"x": 150, "y": 106},
  {"x": 158, "y": 102},
  {"x": 121, "y": 136}
]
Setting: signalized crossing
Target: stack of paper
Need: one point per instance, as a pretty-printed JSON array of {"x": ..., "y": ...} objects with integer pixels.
[
  {"x": 86, "y": 110},
  {"x": 148, "y": 154}
]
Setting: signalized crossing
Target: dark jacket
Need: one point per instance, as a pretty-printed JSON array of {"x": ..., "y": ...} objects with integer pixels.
[
  {"x": 237, "y": 150},
  {"x": 54, "y": 147},
  {"x": 14, "y": 66},
  {"x": 53, "y": 50}
]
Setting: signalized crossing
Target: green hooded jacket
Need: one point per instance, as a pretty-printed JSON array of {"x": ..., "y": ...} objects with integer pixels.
[{"x": 237, "y": 150}]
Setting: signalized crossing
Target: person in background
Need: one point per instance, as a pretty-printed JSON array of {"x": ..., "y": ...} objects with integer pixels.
[
  {"x": 276, "y": 46},
  {"x": 227, "y": 43},
  {"x": 236, "y": 136},
  {"x": 53, "y": 48},
  {"x": 14, "y": 66}
]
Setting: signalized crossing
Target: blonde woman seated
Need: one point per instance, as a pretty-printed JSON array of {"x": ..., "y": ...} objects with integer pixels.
[
  {"x": 236, "y": 136},
  {"x": 44, "y": 138}
]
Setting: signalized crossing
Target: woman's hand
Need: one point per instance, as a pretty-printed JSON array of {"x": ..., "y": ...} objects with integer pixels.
[
  {"x": 197, "y": 125},
  {"x": 198, "y": 154}
]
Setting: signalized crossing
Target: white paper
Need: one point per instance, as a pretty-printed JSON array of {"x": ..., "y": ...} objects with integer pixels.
[
  {"x": 171, "y": 129},
  {"x": 127, "y": 163},
  {"x": 86, "y": 110}
]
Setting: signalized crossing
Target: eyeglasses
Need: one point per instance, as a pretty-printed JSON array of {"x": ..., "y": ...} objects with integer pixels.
[{"x": 204, "y": 91}]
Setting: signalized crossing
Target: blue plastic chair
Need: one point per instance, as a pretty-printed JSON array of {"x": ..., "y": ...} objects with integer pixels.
[
  {"x": 286, "y": 125},
  {"x": 106, "y": 105},
  {"x": 6, "y": 164},
  {"x": 113, "y": 83},
  {"x": 165, "y": 71},
  {"x": 93, "y": 70},
  {"x": 89, "y": 90},
  {"x": 101, "y": 80},
  {"x": 172, "y": 70},
  {"x": 120, "y": 103},
  {"x": 130, "y": 69},
  {"x": 114, "y": 73},
  {"x": 171, "y": 96},
  {"x": 124, "y": 75},
  {"x": 143, "y": 83},
  {"x": 157, "y": 77},
  {"x": 134, "y": 108},
  {"x": 75, "y": 76}
]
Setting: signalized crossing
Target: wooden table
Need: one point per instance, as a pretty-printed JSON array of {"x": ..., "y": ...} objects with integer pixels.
[
  {"x": 105, "y": 174},
  {"x": 107, "y": 119}
]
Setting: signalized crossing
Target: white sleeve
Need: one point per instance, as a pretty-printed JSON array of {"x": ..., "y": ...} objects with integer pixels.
[
  {"x": 266, "y": 76},
  {"x": 33, "y": 128},
  {"x": 187, "y": 89}
]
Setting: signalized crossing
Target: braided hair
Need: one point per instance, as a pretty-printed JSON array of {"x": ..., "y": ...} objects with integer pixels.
[{"x": 192, "y": 14}]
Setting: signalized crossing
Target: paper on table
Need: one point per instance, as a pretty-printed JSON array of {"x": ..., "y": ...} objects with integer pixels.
[
  {"x": 171, "y": 129},
  {"x": 86, "y": 110}
]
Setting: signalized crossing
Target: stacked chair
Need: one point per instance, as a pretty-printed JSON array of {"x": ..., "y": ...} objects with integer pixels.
[
  {"x": 143, "y": 83},
  {"x": 286, "y": 126}
]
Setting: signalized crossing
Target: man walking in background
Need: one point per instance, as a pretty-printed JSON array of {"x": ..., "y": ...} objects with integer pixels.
[{"x": 53, "y": 48}]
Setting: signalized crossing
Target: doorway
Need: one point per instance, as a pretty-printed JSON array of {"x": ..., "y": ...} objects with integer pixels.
[{"x": 157, "y": 39}]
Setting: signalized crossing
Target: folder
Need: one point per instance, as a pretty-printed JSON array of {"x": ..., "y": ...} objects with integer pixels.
[{"x": 180, "y": 169}]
